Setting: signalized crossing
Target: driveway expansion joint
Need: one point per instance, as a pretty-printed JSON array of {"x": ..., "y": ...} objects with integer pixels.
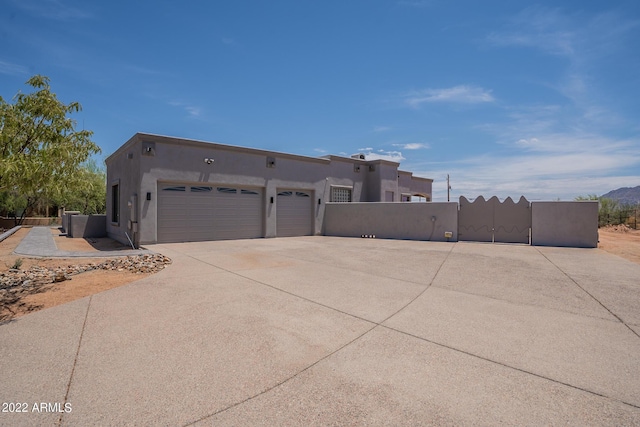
[
  {"x": 75, "y": 360},
  {"x": 504, "y": 365},
  {"x": 588, "y": 293},
  {"x": 357, "y": 338}
]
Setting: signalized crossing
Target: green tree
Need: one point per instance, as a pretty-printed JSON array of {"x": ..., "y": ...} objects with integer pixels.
[
  {"x": 41, "y": 152},
  {"x": 610, "y": 212},
  {"x": 88, "y": 194}
]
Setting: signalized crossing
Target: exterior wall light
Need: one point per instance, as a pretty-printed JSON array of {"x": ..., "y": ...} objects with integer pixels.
[{"x": 208, "y": 160}]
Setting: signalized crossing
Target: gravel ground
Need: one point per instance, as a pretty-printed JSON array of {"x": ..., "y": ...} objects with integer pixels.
[{"x": 36, "y": 275}]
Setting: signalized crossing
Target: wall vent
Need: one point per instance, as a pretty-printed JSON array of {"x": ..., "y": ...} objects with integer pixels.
[{"x": 271, "y": 162}]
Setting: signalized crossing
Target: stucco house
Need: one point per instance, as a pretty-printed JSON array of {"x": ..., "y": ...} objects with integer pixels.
[{"x": 164, "y": 189}]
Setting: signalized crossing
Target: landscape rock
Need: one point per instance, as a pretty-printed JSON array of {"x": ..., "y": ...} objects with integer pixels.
[{"x": 36, "y": 275}]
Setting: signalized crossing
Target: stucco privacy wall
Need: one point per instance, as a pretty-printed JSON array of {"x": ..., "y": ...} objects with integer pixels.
[
  {"x": 410, "y": 221},
  {"x": 573, "y": 224},
  {"x": 66, "y": 219},
  {"x": 87, "y": 226}
]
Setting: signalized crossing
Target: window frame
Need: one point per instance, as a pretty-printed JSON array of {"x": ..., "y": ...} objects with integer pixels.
[
  {"x": 115, "y": 203},
  {"x": 335, "y": 188}
]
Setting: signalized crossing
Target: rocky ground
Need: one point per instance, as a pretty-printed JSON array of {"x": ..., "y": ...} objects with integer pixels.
[
  {"x": 31, "y": 284},
  {"x": 37, "y": 287},
  {"x": 36, "y": 275}
]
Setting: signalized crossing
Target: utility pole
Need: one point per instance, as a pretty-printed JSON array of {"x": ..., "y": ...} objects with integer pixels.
[{"x": 448, "y": 189}]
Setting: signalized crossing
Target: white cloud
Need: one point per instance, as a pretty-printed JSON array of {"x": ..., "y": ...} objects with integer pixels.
[
  {"x": 228, "y": 41},
  {"x": 319, "y": 150},
  {"x": 546, "y": 152},
  {"x": 463, "y": 94},
  {"x": 12, "y": 69},
  {"x": 545, "y": 167},
  {"x": 412, "y": 146},
  {"x": 381, "y": 128}
]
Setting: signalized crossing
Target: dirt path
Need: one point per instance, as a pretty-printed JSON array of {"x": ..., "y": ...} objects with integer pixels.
[{"x": 621, "y": 241}]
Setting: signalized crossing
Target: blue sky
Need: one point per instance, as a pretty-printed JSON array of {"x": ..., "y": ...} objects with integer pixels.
[{"x": 508, "y": 97}]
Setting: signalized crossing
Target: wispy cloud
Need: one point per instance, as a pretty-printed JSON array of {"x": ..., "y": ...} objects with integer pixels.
[
  {"x": 559, "y": 150},
  {"x": 381, "y": 128},
  {"x": 412, "y": 146},
  {"x": 584, "y": 41},
  {"x": 13, "y": 69},
  {"x": 538, "y": 27},
  {"x": 463, "y": 94},
  {"x": 570, "y": 35},
  {"x": 228, "y": 41},
  {"x": 320, "y": 150},
  {"x": 192, "y": 111}
]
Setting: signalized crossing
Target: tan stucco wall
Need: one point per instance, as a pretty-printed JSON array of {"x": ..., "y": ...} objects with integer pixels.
[
  {"x": 411, "y": 221},
  {"x": 573, "y": 224}
]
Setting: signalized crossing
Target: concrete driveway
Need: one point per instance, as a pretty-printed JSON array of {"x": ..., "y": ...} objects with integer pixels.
[{"x": 337, "y": 331}]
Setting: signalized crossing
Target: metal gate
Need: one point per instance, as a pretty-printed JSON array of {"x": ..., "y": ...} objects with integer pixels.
[{"x": 492, "y": 221}]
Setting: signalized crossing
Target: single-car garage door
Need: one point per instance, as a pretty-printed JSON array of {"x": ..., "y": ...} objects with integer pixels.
[
  {"x": 294, "y": 213},
  {"x": 190, "y": 213}
]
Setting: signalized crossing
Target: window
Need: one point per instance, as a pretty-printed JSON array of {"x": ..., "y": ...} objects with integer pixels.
[
  {"x": 201, "y": 189},
  {"x": 340, "y": 194},
  {"x": 115, "y": 203},
  {"x": 249, "y": 192},
  {"x": 227, "y": 190},
  {"x": 181, "y": 188}
]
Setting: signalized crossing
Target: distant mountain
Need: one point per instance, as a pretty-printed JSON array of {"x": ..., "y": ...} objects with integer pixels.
[{"x": 625, "y": 195}]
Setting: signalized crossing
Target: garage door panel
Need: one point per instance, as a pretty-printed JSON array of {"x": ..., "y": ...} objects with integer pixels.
[
  {"x": 208, "y": 212},
  {"x": 294, "y": 213},
  {"x": 239, "y": 214}
]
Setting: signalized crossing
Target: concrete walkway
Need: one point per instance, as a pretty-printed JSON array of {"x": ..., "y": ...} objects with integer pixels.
[
  {"x": 336, "y": 331},
  {"x": 39, "y": 243}
]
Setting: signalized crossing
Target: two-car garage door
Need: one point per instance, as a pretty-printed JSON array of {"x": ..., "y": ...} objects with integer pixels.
[{"x": 191, "y": 213}]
